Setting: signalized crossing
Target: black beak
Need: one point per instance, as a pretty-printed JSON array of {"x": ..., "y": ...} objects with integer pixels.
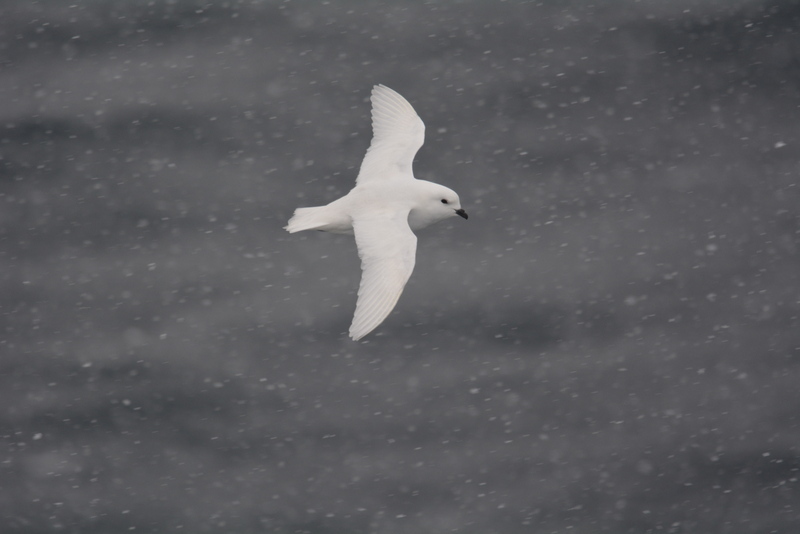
[{"x": 462, "y": 213}]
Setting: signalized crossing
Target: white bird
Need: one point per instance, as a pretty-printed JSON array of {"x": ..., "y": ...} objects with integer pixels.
[{"x": 383, "y": 208}]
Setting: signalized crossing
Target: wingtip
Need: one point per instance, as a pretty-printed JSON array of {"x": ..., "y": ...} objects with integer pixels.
[
  {"x": 380, "y": 88},
  {"x": 356, "y": 333},
  {"x": 376, "y": 91},
  {"x": 356, "y": 337}
]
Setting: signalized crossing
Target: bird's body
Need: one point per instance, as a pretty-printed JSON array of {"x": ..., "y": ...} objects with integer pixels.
[{"x": 383, "y": 208}]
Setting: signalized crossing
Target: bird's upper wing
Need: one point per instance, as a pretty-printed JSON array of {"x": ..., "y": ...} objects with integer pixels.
[
  {"x": 397, "y": 134},
  {"x": 387, "y": 248}
]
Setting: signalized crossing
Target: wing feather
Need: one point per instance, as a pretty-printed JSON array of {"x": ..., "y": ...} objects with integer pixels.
[
  {"x": 397, "y": 135},
  {"x": 387, "y": 248}
]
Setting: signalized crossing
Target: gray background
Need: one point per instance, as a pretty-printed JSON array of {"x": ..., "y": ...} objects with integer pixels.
[{"x": 611, "y": 343}]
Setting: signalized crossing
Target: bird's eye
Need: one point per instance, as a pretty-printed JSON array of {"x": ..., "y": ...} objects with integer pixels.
[{"x": 444, "y": 201}]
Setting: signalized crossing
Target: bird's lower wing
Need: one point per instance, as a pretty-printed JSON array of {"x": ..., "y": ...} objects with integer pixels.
[{"x": 387, "y": 248}]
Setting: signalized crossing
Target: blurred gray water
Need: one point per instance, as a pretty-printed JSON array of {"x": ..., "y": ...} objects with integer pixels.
[{"x": 611, "y": 343}]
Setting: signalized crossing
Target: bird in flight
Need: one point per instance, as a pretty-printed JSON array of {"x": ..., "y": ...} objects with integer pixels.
[{"x": 382, "y": 210}]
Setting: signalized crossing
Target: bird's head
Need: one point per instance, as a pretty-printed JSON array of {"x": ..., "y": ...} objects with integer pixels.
[
  {"x": 435, "y": 203},
  {"x": 451, "y": 204}
]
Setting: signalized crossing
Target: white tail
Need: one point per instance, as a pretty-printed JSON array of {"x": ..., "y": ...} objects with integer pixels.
[{"x": 307, "y": 219}]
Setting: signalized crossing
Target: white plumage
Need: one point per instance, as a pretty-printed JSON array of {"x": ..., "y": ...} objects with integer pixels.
[
  {"x": 397, "y": 135},
  {"x": 383, "y": 208}
]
